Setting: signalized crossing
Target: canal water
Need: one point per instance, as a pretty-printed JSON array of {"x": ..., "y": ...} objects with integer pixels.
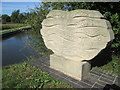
[{"x": 17, "y": 48}]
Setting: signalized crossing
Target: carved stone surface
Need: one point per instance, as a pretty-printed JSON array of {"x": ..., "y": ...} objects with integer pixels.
[
  {"x": 74, "y": 37},
  {"x": 77, "y": 35}
]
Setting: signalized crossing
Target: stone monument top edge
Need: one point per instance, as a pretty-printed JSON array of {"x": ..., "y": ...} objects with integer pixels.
[{"x": 78, "y": 12}]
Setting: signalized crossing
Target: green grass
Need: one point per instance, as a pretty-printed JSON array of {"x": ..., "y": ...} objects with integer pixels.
[
  {"x": 112, "y": 67},
  {"x": 14, "y": 29},
  {"x": 10, "y": 26},
  {"x": 23, "y": 75}
]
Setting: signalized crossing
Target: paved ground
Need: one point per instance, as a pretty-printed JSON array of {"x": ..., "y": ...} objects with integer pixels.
[{"x": 97, "y": 79}]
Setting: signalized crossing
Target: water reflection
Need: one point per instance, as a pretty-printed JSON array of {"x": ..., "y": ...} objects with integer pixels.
[{"x": 16, "y": 48}]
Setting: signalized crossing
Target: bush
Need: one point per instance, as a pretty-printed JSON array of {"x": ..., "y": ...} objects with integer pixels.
[{"x": 115, "y": 22}]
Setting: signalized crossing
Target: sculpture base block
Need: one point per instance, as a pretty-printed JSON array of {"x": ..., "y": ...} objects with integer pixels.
[{"x": 76, "y": 69}]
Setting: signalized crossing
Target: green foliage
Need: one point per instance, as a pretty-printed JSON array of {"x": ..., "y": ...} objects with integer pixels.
[
  {"x": 21, "y": 18},
  {"x": 5, "y": 18},
  {"x": 115, "y": 22},
  {"x": 14, "y": 16},
  {"x": 36, "y": 17}
]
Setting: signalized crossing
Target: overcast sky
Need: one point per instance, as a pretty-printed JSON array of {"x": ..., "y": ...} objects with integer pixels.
[{"x": 9, "y": 7}]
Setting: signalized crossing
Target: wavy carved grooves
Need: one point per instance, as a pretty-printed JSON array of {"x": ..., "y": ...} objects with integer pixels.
[
  {"x": 51, "y": 25},
  {"x": 79, "y": 33}
]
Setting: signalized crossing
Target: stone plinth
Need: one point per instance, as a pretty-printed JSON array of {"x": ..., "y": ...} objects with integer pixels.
[
  {"x": 75, "y": 36},
  {"x": 76, "y": 69}
]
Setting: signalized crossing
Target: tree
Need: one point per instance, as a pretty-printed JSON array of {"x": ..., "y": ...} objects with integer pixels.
[
  {"x": 5, "y": 18},
  {"x": 15, "y": 16},
  {"x": 21, "y": 18},
  {"x": 36, "y": 17}
]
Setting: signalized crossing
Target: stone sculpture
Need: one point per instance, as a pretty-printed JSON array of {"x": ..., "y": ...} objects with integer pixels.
[{"x": 75, "y": 36}]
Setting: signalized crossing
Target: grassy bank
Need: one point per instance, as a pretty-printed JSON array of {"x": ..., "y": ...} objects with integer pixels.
[
  {"x": 11, "y": 26},
  {"x": 25, "y": 76},
  {"x": 13, "y": 29}
]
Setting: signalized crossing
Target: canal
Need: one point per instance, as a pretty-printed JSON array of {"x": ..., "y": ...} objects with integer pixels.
[{"x": 17, "y": 48}]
